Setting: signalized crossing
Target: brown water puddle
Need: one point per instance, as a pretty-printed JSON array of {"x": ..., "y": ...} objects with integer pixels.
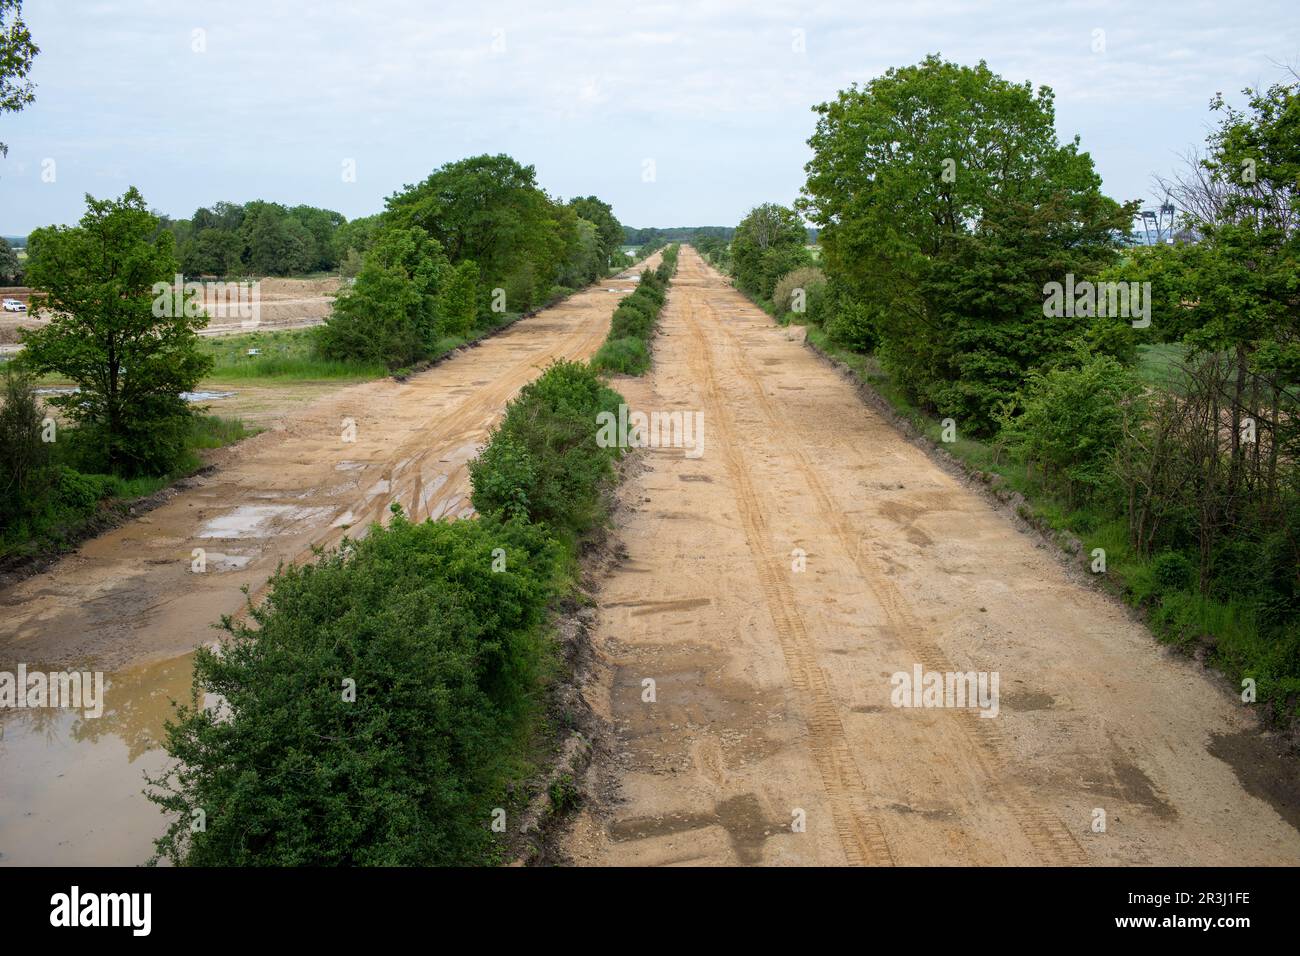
[{"x": 71, "y": 787}]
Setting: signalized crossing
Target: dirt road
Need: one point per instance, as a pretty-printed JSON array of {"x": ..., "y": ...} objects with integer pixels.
[
  {"x": 772, "y": 588},
  {"x": 130, "y": 603}
]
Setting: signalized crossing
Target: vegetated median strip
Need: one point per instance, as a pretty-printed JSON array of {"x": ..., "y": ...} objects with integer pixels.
[
  {"x": 627, "y": 347},
  {"x": 482, "y": 335},
  {"x": 384, "y": 704}
]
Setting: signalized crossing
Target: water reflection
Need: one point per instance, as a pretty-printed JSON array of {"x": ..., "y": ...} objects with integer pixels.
[{"x": 71, "y": 786}]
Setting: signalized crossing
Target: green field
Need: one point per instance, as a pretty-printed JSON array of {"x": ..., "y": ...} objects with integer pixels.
[{"x": 285, "y": 354}]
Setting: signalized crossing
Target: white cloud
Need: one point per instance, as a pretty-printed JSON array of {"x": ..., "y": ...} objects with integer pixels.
[{"x": 716, "y": 92}]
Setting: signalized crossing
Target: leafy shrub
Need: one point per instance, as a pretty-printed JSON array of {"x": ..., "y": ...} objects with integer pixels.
[
  {"x": 849, "y": 323},
  {"x": 1171, "y": 571},
  {"x": 542, "y": 461},
  {"x": 810, "y": 279},
  {"x": 625, "y": 356},
  {"x": 443, "y": 652},
  {"x": 1072, "y": 422}
]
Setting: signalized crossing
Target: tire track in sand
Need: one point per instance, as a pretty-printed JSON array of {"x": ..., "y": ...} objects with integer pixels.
[
  {"x": 860, "y": 835},
  {"x": 1051, "y": 839}
]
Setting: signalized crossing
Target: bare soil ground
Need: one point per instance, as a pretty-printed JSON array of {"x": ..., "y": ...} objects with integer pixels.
[
  {"x": 284, "y": 304},
  {"x": 128, "y": 603},
  {"x": 130, "y": 595},
  {"x": 772, "y": 686}
]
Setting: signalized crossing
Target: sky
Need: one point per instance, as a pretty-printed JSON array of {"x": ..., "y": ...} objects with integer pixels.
[{"x": 676, "y": 113}]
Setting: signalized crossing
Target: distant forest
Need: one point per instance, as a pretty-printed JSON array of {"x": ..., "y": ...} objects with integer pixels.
[{"x": 639, "y": 237}]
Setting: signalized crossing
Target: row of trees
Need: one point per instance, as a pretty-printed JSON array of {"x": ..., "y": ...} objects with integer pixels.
[
  {"x": 946, "y": 203},
  {"x": 475, "y": 241},
  {"x": 264, "y": 239},
  {"x": 664, "y": 236},
  {"x": 947, "y": 208}
]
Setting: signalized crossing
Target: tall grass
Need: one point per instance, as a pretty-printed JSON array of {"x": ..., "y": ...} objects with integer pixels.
[{"x": 284, "y": 354}]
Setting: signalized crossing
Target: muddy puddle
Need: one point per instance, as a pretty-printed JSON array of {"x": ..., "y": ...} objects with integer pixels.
[
  {"x": 71, "y": 787},
  {"x": 200, "y": 396}
]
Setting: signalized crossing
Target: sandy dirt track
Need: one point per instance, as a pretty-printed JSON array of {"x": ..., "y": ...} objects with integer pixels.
[
  {"x": 130, "y": 595},
  {"x": 772, "y": 686},
  {"x": 127, "y": 602}
]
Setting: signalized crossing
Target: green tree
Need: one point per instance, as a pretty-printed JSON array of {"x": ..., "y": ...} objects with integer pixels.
[
  {"x": 945, "y": 204},
  {"x": 17, "y": 51},
  {"x": 11, "y": 267},
  {"x": 275, "y": 243},
  {"x": 489, "y": 209},
  {"x": 609, "y": 230},
  {"x": 321, "y": 225},
  {"x": 130, "y": 349},
  {"x": 769, "y": 242},
  {"x": 391, "y": 313}
]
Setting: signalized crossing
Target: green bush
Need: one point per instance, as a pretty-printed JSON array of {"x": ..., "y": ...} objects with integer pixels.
[
  {"x": 625, "y": 356},
  {"x": 627, "y": 350},
  {"x": 851, "y": 325},
  {"x": 444, "y": 653},
  {"x": 543, "y": 461},
  {"x": 810, "y": 279},
  {"x": 1171, "y": 571},
  {"x": 1072, "y": 423},
  {"x": 634, "y": 318}
]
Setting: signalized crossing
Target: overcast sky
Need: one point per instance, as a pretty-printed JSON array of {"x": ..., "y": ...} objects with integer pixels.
[{"x": 195, "y": 102}]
